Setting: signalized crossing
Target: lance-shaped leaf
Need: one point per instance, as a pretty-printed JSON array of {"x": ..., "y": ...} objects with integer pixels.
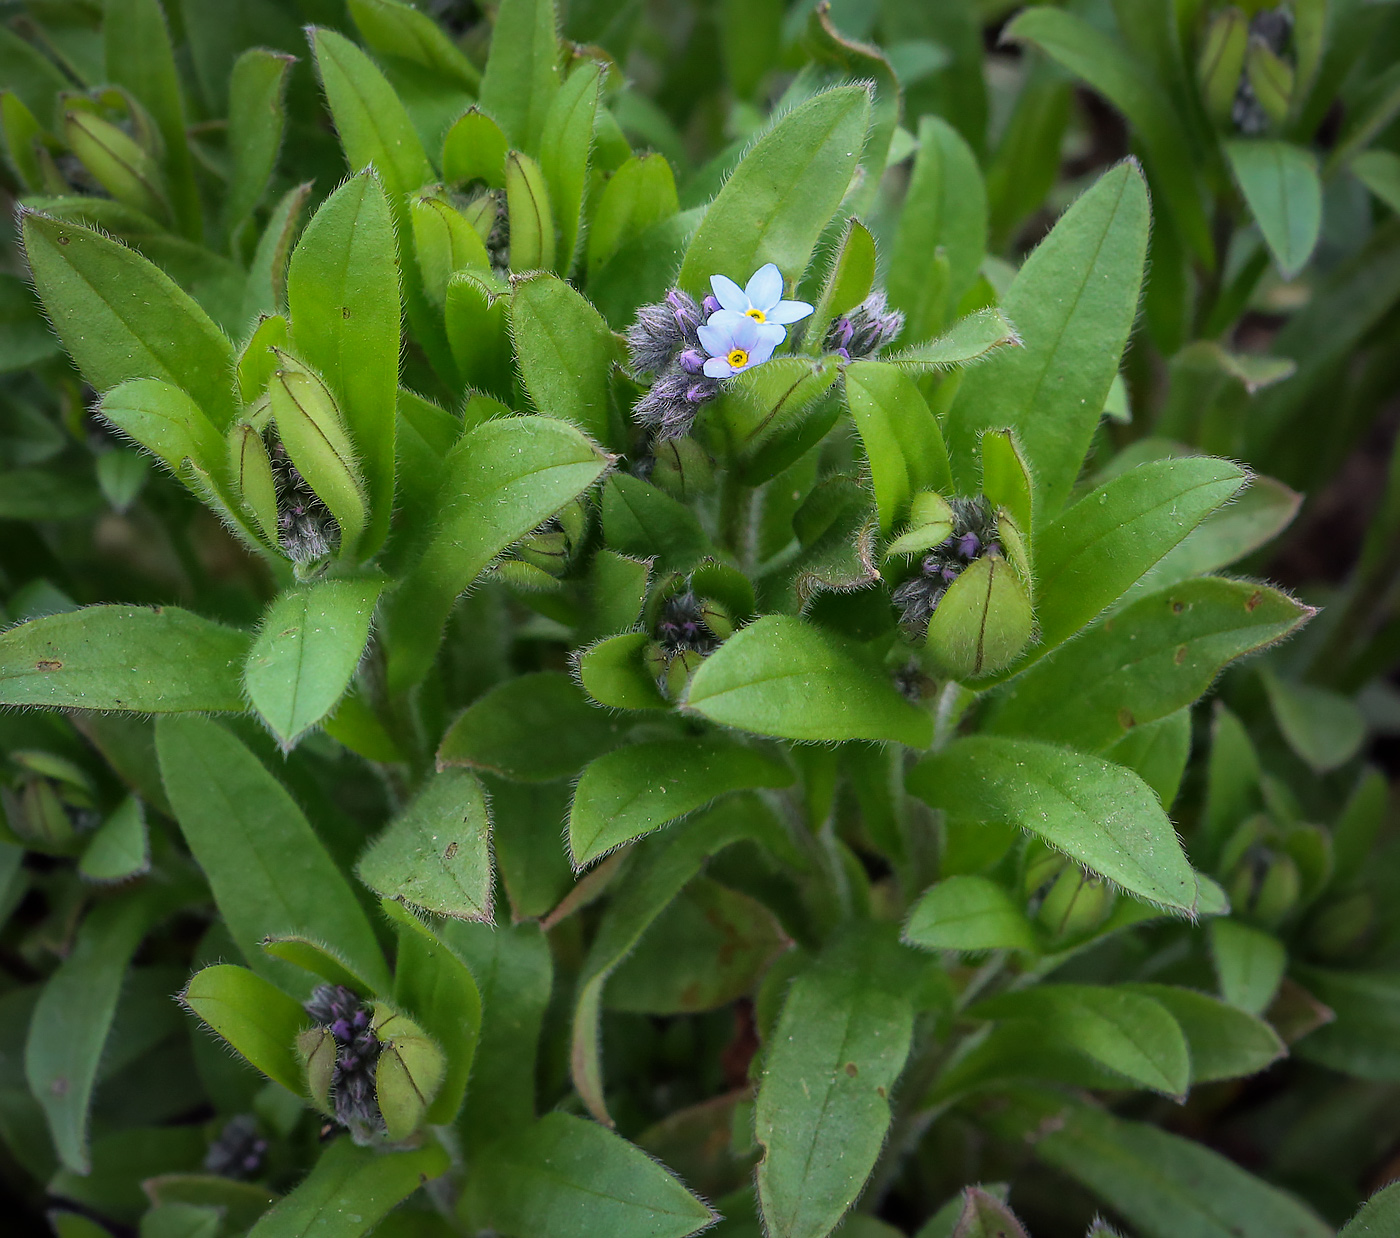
[
  {"x": 967, "y": 912},
  {"x": 1089, "y": 557},
  {"x": 475, "y": 149},
  {"x": 255, "y": 123},
  {"x": 73, "y": 1016},
  {"x": 642, "y": 192},
  {"x": 625, "y": 794},
  {"x": 350, "y": 1190},
  {"x": 967, "y": 340},
  {"x": 310, "y": 643},
  {"x": 396, "y": 30},
  {"x": 783, "y": 193},
  {"x": 571, "y": 1178},
  {"x": 1123, "y": 1030},
  {"x": 1099, "y": 814},
  {"x": 1073, "y": 304},
  {"x": 823, "y": 1106},
  {"x": 131, "y": 658},
  {"x": 535, "y": 728},
  {"x": 566, "y": 353},
  {"x": 662, "y": 868},
  {"x": 254, "y": 1016},
  {"x": 901, "y": 437},
  {"x": 1225, "y": 1042},
  {"x": 564, "y": 150},
  {"x": 269, "y": 872},
  {"x": 1281, "y": 185},
  {"x": 533, "y": 243},
  {"x": 522, "y": 71},
  {"x": 373, "y": 125},
  {"x": 1379, "y": 1215},
  {"x": 165, "y": 421},
  {"x": 436, "y": 854},
  {"x": 504, "y": 478},
  {"x": 120, "y": 848},
  {"x": 342, "y": 289},
  {"x": 848, "y": 283},
  {"x": 121, "y": 317},
  {"x": 780, "y": 676},
  {"x": 1145, "y": 662}
]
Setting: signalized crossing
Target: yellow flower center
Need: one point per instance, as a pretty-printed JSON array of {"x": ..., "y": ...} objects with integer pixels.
[
  {"x": 737, "y": 358},
  {"x": 756, "y": 314}
]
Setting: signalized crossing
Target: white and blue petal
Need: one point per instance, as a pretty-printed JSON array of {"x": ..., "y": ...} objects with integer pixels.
[
  {"x": 772, "y": 334},
  {"x": 718, "y": 367},
  {"x": 762, "y": 350},
  {"x": 729, "y": 294},
  {"x": 715, "y": 336},
  {"x": 765, "y": 288},
  {"x": 789, "y": 311}
]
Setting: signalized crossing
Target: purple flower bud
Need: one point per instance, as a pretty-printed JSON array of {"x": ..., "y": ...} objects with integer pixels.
[
  {"x": 969, "y": 545},
  {"x": 341, "y": 1029},
  {"x": 842, "y": 353},
  {"x": 684, "y": 310},
  {"x": 692, "y": 360},
  {"x": 710, "y": 304}
]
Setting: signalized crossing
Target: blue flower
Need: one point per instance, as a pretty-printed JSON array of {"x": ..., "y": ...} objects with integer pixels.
[
  {"x": 761, "y": 300},
  {"x": 736, "y": 342}
]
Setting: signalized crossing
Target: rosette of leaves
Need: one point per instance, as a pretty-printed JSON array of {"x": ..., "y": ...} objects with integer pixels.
[{"x": 865, "y": 709}]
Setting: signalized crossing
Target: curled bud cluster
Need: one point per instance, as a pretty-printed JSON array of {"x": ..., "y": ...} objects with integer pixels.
[
  {"x": 687, "y": 630},
  {"x": 665, "y": 341},
  {"x": 974, "y": 535},
  {"x": 238, "y": 1151},
  {"x": 352, "y": 1089},
  {"x": 305, "y": 527},
  {"x": 865, "y": 330}
]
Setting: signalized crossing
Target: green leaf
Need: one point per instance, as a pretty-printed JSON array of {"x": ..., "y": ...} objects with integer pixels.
[
  {"x": 1157, "y": 752},
  {"x": 1111, "y": 70},
  {"x": 1147, "y": 661},
  {"x": 74, "y": 1014},
  {"x": 1323, "y": 727},
  {"x": 504, "y": 478},
  {"x": 306, "y": 652},
  {"x": 1379, "y": 1215},
  {"x": 349, "y": 1190},
  {"x": 269, "y": 872},
  {"x": 1073, "y": 305},
  {"x": 530, "y": 856},
  {"x": 342, "y": 290},
  {"x": 1363, "y": 1040},
  {"x": 265, "y": 291},
  {"x": 513, "y": 970},
  {"x": 571, "y": 1178},
  {"x": 967, "y": 340},
  {"x": 241, "y": 1203},
  {"x": 848, "y": 283},
  {"x": 475, "y": 149},
  {"x": 566, "y": 353},
  {"x": 139, "y": 55},
  {"x": 522, "y": 71},
  {"x": 1281, "y": 185},
  {"x": 530, "y": 215},
  {"x": 120, "y": 847},
  {"x": 317, "y": 959},
  {"x": 393, "y": 29},
  {"x": 437, "y": 989},
  {"x": 477, "y": 323},
  {"x": 1099, "y": 814},
  {"x": 1116, "y": 1027},
  {"x": 444, "y": 243},
  {"x": 710, "y": 947},
  {"x": 256, "y": 118},
  {"x": 645, "y": 522},
  {"x": 969, "y": 913},
  {"x": 164, "y": 420},
  {"x": 613, "y": 673},
  {"x": 783, "y": 193},
  {"x": 1249, "y": 964},
  {"x": 780, "y": 676},
  {"x": 642, "y": 192},
  {"x": 1225, "y": 1042},
  {"x": 254, "y": 1016},
  {"x": 1089, "y": 557},
  {"x": 534, "y": 728},
  {"x": 130, "y": 658},
  {"x": 564, "y": 149},
  {"x": 634, "y": 790},
  {"x": 823, "y": 1105},
  {"x": 1379, "y": 171},
  {"x": 945, "y": 208},
  {"x": 901, "y": 437},
  {"x": 1166, "y": 1186},
  {"x": 120, "y": 317},
  {"x": 374, "y": 127},
  {"x": 662, "y": 867},
  {"x": 436, "y": 854}
]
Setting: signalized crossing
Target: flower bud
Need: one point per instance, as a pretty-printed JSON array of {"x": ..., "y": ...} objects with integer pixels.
[
  {"x": 409, "y": 1072},
  {"x": 117, "y": 163},
  {"x": 250, "y": 470},
  {"x": 1221, "y": 62},
  {"x": 1075, "y": 904},
  {"x": 681, "y": 467},
  {"x": 983, "y": 622},
  {"x": 315, "y": 438}
]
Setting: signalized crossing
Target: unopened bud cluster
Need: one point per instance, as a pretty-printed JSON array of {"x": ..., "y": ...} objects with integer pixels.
[
  {"x": 974, "y": 534},
  {"x": 349, "y": 1031},
  {"x": 687, "y": 630},
  {"x": 664, "y": 341},
  {"x": 865, "y": 330}
]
